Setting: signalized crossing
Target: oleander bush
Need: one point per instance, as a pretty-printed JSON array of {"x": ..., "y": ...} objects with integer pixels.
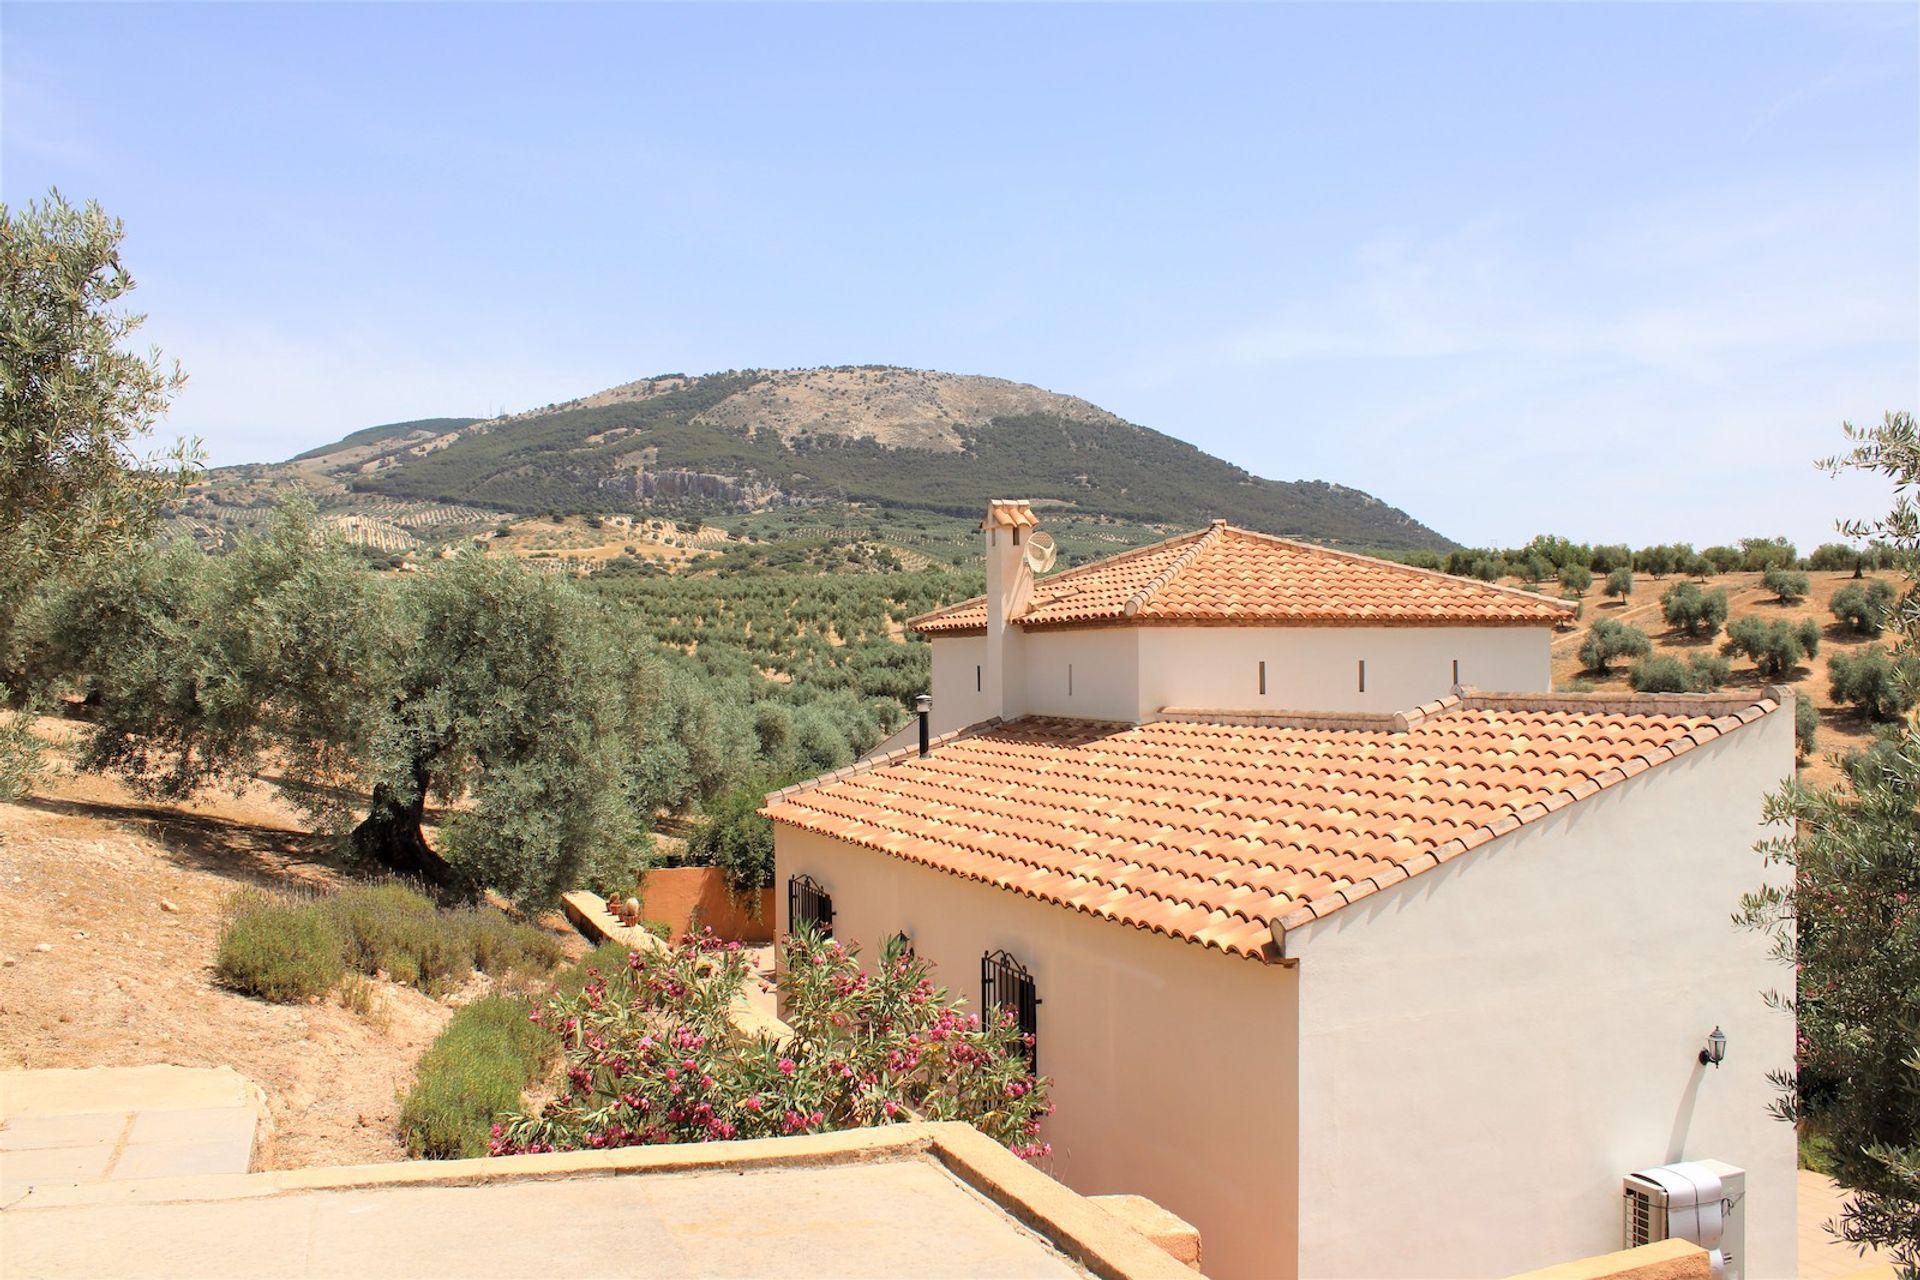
[{"x": 651, "y": 1056}]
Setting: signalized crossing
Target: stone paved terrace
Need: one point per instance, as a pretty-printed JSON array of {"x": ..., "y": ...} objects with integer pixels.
[
  {"x": 1821, "y": 1256},
  {"x": 116, "y": 1124},
  {"x": 927, "y": 1200}
]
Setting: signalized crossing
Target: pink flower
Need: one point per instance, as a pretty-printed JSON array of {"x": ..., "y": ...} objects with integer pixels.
[
  {"x": 752, "y": 1104},
  {"x": 786, "y": 1066}
]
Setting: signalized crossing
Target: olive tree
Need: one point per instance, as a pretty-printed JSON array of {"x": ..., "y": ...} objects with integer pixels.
[
  {"x": 74, "y": 402},
  {"x": 1847, "y": 924},
  {"x": 1609, "y": 639},
  {"x": 487, "y": 687},
  {"x": 1698, "y": 613}
]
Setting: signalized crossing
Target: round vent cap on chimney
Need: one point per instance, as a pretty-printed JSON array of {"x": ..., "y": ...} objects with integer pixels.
[{"x": 1040, "y": 552}]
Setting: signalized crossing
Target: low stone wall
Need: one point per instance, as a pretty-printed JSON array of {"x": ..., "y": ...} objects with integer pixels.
[{"x": 686, "y": 898}]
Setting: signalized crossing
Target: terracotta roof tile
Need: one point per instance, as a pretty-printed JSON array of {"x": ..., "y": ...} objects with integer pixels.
[
  {"x": 1224, "y": 574},
  {"x": 1225, "y": 834}
]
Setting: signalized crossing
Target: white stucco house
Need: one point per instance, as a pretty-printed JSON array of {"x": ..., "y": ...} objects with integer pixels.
[{"x": 1361, "y": 970}]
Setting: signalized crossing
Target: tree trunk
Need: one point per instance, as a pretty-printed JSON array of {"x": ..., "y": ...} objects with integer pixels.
[{"x": 391, "y": 835}]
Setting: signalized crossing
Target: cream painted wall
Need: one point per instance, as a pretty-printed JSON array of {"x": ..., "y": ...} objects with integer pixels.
[
  {"x": 1092, "y": 674},
  {"x": 1488, "y": 1048},
  {"x": 1174, "y": 1067},
  {"x": 959, "y": 697},
  {"x": 1316, "y": 668},
  {"x": 1130, "y": 673}
]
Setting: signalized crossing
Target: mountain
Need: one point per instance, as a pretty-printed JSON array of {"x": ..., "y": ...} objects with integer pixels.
[
  {"x": 901, "y": 438},
  {"x": 386, "y": 434}
]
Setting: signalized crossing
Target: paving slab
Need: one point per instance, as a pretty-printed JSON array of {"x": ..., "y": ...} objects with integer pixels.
[
  {"x": 87, "y": 1129},
  {"x": 898, "y": 1218},
  {"x": 21, "y": 1171},
  {"x": 160, "y": 1087},
  {"x": 71, "y": 1128}
]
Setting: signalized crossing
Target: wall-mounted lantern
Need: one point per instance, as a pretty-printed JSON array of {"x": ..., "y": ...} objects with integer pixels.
[{"x": 1716, "y": 1048}]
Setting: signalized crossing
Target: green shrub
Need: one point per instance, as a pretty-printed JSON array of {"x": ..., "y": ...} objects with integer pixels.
[
  {"x": 1806, "y": 725},
  {"x": 1620, "y": 583},
  {"x": 1722, "y": 559},
  {"x": 499, "y": 945},
  {"x": 1576, "y": 578},
  {"x": 1789, "y": 585},
  {"x": 279, "y": 949},
  {"x": 1658, "y": 561},
  {"x": 398, "y": 931},
  {"x": 1664, "y": 674},
  {"x": 1833, "y": 557},
  {"x": 473, "y": 1074},
  {"x": 1696, "y": 612},
  {"x": 1609, "y": 556},
  {"x": 1608, "y": 639},
  {"x": 1878, "y": 686},
  {"x": 1700, "y": 673},
  {"x": 739, "y": 841},
  {"x": 603, "y": 959},
  {"x": 1760, "y": 554},
  {"x": 1865, "y": 609},
  {"x": 1776, "y": 648},
  {"x": 1710, "y": 670}
]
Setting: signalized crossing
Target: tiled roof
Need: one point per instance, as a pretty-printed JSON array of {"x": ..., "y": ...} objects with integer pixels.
[
  {"x": 1224, "y": 574},
  {"x": 1227, "y": 829}
]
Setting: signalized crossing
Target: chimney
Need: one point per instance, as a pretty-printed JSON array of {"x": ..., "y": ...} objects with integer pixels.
[
  {"x": 923, "y": 708},
  {"x": 1009, "y": 582}
]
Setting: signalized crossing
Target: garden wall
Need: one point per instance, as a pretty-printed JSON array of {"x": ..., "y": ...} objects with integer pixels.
[{"x": 684, "y": 898}]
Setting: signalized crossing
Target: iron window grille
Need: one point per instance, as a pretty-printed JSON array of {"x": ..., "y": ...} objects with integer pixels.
[
  {"x": 809, "y": 906},
  {"x": 1006, "y": 984}
]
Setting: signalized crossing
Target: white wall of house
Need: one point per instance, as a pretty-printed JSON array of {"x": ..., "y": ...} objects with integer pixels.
[
  {"x": 1174, "y": 1066},
  {"x": 959, "y": 682},
  {"x": 1488, "y": 1048},
  {"x": 1130, "y": 673},
  {"x": 1318, "y": 668},
  {"x": 1093, "y": 674}
]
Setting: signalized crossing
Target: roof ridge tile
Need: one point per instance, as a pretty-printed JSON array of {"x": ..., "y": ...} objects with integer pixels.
[{"x": 1208, "y": 536}]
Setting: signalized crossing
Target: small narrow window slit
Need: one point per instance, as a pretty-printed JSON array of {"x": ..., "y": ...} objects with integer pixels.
[
  {"x": 1363, "y": 675},
  {"x": 979, "y": 682},
  {"x": 1069, "y": 679},
  {"x": 1263, "y": 679},
  {"x": 1456, "y": 671}
]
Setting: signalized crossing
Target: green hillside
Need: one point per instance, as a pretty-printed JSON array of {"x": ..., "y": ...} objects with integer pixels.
[
  {"x": 1056, "y": 450},
  {"x": 387, "y": 431}
]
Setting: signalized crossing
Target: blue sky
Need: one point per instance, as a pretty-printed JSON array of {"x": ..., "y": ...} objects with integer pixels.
[{"x": 1617, "y": 271}]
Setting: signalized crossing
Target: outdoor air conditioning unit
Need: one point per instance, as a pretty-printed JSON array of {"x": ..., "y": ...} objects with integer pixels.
[{"x": 1699, "y": 1200}]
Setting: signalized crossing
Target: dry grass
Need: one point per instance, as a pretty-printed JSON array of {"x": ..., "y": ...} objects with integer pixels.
[{"x": 130, "y": 899}]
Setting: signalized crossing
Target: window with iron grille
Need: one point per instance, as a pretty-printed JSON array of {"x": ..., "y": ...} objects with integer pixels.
[
  {"x": 1006, "y": 984},
  {"x": 809, "y": 905}
]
